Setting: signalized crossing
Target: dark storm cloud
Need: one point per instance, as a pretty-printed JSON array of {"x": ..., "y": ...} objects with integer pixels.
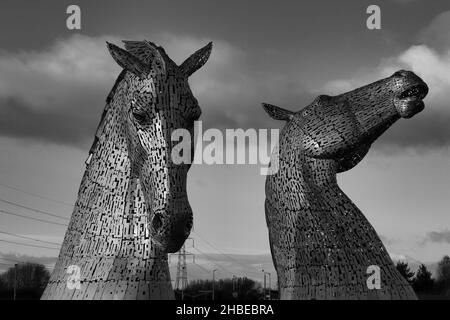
[
  {"x": 243, "y": 108},
  {"x": 71, "y": 126},
  {"x": 47, "y": 96},
  {"x": 47, "y": 86},
  {"x": 428, "y": 129},
  {"x": 57, "y": 94},
  {"x": 438, "y": 236}
]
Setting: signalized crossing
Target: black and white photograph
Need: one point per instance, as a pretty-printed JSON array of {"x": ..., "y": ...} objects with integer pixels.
[{"x": 224, "y": 151}]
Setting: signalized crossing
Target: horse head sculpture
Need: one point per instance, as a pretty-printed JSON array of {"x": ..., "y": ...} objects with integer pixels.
[
  {"x": 322, "y": 245},
  {"x": 132, "y": 207}
]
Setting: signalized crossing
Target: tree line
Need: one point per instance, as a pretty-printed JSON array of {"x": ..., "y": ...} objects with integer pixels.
[
  {"x": 30, "y": 279},
  {"x": 224, "y": 289},
  {"x": 424, "y": 284}
]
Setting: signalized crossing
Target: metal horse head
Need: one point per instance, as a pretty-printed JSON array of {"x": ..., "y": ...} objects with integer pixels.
[
  {"x": 156, "y": 101},
  {"x": 343, "y": 127}
]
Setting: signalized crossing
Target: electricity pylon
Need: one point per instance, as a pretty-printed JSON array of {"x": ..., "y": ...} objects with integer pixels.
[{"x": 181, "y": 281}]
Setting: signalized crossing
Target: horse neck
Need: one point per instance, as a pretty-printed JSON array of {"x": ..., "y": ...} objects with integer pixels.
[{"x": 308, "y": 179}]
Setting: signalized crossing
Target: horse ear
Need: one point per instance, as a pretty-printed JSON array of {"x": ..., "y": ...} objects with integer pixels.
[
  {"x": 128, "y": 61},
  {"x": 196, "y": 60},
  {"x": 146, "y": 52},
  {"x": 278, "y": 113}
]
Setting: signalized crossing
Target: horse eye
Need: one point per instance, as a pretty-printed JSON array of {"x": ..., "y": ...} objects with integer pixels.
[{"x": 139, "y": 116}]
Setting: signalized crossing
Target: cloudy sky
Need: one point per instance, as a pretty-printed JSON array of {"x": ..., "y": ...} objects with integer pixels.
[{"x": 54, "y": 81}]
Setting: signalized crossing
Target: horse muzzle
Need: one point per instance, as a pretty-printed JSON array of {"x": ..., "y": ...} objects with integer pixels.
[
  {"x": 408, "y": 101},
  {"x": 170, "y": 227}
]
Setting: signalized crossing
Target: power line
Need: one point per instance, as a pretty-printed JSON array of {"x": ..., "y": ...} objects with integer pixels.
[
  {"x": 211, "y": 260},
  {"x": 31, "y": 218},
  {"x": 29, "y": 238},
  {"x": 37, "y": 195},
  {"x": 61, "y": 217},
  {"x": 28, "y": 245},
  {"x": 204, "y": 269},
  {"x": 222, "y": 253},
  {"x": 218, "y": 250},
  {"x": 32, "y": 209}
]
